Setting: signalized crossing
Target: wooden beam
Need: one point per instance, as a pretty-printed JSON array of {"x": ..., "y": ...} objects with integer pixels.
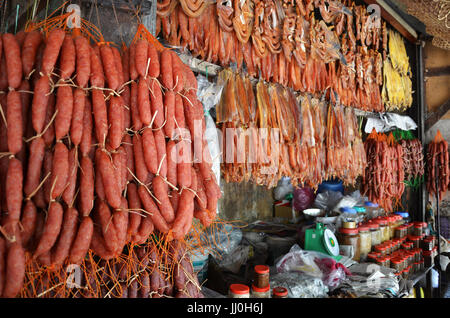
[
  {"x": 395, "y": 20},
  {"x": 433, "y": 117},
  {"x": 437, "y": 71}
]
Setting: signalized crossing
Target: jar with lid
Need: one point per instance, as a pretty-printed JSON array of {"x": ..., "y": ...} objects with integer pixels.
[
  {"x": 417, "y": 254},
  {"x": 392, "y": 225},
  {"x": 365, "y": 242},
  {"x": 350, "y": 237},
  {"x": 396, "y": 263},
  {"x": 260, "y": 292},
  {"x": 428, "y": 258},
  {"x": 349, "y": 216},
  {"x": 261, "y": 278},
  {"x": 279, "y": 292},
  {"x": 239, "y": 291},
  {"x": 381, "y": 249},
  {"x": 387, "y": 261},
  {"x": 422, "y": 264},
  {"x": 415, "y": 240},
  {"x": 384, "y": 229},
  {"x": 372, "y": 210},
  {"x": 372, "y": 257},
  {"x": 375, "y": 232},
  {"x": 419, "y": 228},
  {"x": 427, "y": 244},
  {"x": 399, "y": 220},
  {"x": 381, "y": 261},
  {"x": 400, "y": 231},
  {"x": 410, "y": 228}
]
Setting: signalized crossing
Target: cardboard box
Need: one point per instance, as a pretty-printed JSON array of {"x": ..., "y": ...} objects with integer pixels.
[{"x": 284, "y": 211}]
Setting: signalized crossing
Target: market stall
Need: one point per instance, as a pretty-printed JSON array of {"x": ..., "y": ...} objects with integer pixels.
[{"x": 243, "y": 149}]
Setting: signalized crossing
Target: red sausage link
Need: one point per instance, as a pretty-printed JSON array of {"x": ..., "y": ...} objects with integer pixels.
[
  {"x": 51, "y": 230},
  {"x": 51, "y": 52},
  {"x": 15, "y": 121},
  {"x": 97, "y": 77},
  {"x": 143, "y": 102},
  {"x": 172, "y": 163},
  {"x": 67, "y": 57},
  {"x": 139, "y": 162},
  {"x": 14, "y": 185},
  {"x": 134, "y": 109},
  {"x": 177, "y": 73},
  {"x": 157, "y": 104},
  {"x": 110, "y": 185},
  {"x": 115, "y": 119},
  {"x": 133, "y": 72},
  {"x": 29, "y": 50},
  {"x": 49, "y": 135},
  {"x": 68, "y": 233},
  {"x": 69, "y": 191},
  {"x": 109, "y": 67},
  {"x": 86, "y": 137},
  {"x": 28, "y": 221},
  {"x": 39, "y": 104},
  {"x": 140, "y": 57},
  {"x": 82, "y": 241},
  {"x": 106, "y": 223},
  {"x": 149, "y": 205},
  {"x": 83, "y": 60},
  {"x": 60, "y": 170},
  {"x": 169, "y": 105},
  {"x": 100, "y": 112},
  {"x": 152, "y": 54},
  {"x": 86, "y": 186},
  {"x": 149, "y": 150},
  {"x": 76, "y": 126},
  {"x": 15, "y": 270},
  {"x": 160, "y": 143},
  {"x": 166, "y": 69},
  {"x": 160, "y": 190},
  {"x": 11, "y": 48},
  {"x": 134, "y": 204},
  {"x": 64, "y": 108}
]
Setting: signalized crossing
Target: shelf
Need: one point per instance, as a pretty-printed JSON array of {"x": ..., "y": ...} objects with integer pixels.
[{"x": 416, "y": 277}]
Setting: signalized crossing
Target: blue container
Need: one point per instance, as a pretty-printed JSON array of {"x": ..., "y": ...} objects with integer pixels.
[
  {"x": 371, "y": 204},
  {"x": 348, "y": 210},
  {"x": 336, "y": 186}
]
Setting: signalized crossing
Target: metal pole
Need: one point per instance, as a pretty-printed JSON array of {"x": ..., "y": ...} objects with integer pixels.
[{"x": 437, "y": 222}]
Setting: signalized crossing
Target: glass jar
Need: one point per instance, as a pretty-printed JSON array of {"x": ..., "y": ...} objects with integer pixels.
[
  {"x": 372, "y": 257},
  {"x": 239, "y": 291},
  {"x": 427, "y": 244},
  {"x": 387, "y": 261},
  {"x": 279, "y": 292},
  {"x": 410, "y": 228},
  {"x": 384, "y": 229},
  {"x": 418, "y": 254},
  {"x": 422, "y": 264},
  {"x": 372, "y": 209},
  {"x": 350, "y": 237},
  {"x": 419, "y": 228},
  {"x": 399, "y": 220},
  {"x": 428, "y": 258},
  {"x": 261, "y": 278},
  {"x": 400, "y": 231},
  {"x": 365, "y": 242},
  {"x": 415, "y": 240},
  {"x": 260, "y": 292},
  {"x": 349, "y": 225},
  {"x": 392, "y": 225},
  {"x": 375, "y": 232},
  {"x": 405, "y": 272},
  {"x": 396, "y": 263}
]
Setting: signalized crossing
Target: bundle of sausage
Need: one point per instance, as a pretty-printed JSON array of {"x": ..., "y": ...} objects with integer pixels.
[
  {"x": 139, "y": 274},
  {"x": 437, "y": 166},
  {"x": 100, "y": 165},
  {"x": 383, "y": 179},
  {"x": 413, "y": 160}
]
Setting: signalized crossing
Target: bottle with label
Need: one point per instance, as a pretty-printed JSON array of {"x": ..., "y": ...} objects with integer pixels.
[{"x": 239, "y": 291}]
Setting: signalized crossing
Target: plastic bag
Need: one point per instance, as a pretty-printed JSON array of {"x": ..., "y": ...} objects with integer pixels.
[
  {"x": 209, "y": 94},
  {"x": 327, "y": 200},
  {"x": 233, "y": 261},
  {"x": 300, "y": 285},
  {"x": 314, "y": 264},
  {"x": 283, "y": 188},
  {"x": 303, "y": 198}
]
